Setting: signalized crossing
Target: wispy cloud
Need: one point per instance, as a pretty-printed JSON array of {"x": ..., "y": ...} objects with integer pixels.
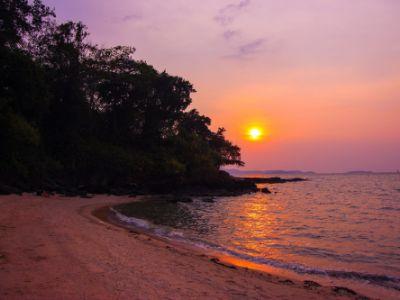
[
  {"x": 229, "y": 34},
  {"x": 225, "y": 17},
  {"x": 131, "y": 17},
  {"x": 227, "y": 14},
  {"x": 247, "y": 50}
]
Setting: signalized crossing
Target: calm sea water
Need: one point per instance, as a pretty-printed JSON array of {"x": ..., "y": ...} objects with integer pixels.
[{"x": 344, "y": 227}]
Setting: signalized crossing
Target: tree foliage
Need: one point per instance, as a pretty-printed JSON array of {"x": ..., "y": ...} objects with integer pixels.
[{"x": 80, "y": 114}]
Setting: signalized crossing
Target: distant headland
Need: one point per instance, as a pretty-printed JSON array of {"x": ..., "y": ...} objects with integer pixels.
[{"x": 238, "y": 172}]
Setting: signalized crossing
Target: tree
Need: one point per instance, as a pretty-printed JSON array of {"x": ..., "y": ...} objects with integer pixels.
[
  {"x": 23, "y": 92},
  {"x": 68, "y": 122},
  {"x": 21, "y": 20},
  {"x": 75, "y": 113}
]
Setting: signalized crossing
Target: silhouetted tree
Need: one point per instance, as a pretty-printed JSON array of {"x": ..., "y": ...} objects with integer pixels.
[{"x": 75, "y": 113}]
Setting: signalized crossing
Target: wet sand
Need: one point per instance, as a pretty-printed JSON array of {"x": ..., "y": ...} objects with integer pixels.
[{"x": 63, "y": 248}]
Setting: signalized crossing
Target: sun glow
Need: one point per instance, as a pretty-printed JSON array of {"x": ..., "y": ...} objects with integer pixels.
[{"x": 254, "y": 133}]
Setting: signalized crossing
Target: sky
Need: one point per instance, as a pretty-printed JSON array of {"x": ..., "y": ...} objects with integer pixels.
[{"x": 320, "y": 77}]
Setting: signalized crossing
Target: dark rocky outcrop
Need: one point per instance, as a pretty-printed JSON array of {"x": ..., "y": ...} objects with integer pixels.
[
  {"x": 311, "y": 285},
  {"x": 265, "y": 190},
  {"x": 287, "y": 282},
  {"x": 343, "y": 291},
  {"x": 272, "y": 180},
  {"x": 179, "y": 198},
  {"x": 217, "y": 184},
  {"x": 208, "y": 199}
]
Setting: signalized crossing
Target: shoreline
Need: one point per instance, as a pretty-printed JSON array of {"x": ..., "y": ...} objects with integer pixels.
[
  {"x": 58, "y": 247},
  {"x": 106, "y": 214}
]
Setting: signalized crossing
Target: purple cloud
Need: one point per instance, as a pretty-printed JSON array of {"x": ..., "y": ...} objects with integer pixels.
[
  {"x": 227, "y": 14},
  {"x": 229, "y": 34},
  {"x": 131, "y": 17},
  {"x": 245, "y": 51}
]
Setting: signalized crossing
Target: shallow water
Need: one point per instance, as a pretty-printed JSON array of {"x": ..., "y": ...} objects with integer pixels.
[{"x": 338, "y": 226}]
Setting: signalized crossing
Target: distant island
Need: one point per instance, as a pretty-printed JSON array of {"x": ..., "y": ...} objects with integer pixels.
[
  {"x": 237, "y": 172},
  {"x": 241, "y": 173}
]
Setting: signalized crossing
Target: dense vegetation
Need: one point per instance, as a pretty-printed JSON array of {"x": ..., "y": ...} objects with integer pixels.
[{"x": 74, "y": 114}]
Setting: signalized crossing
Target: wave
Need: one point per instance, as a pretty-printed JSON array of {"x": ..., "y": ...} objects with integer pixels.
[
  {"x": 131, "y": 220},
  {"x": 169, "y": 233},
  {"x": 378, "y": 279},
  {"x": 148, "y": 226}
]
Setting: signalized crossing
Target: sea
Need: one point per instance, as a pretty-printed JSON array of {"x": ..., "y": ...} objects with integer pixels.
[{"x": 338, "y": 229}]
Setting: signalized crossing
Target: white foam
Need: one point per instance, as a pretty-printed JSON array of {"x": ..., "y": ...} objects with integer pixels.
[
  {"x": 141, "y": 223},
  {"x": 131, "y": 220}
]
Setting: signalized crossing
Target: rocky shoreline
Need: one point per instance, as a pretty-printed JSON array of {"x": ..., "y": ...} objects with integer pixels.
[
  {"x": 273, "y": 180},
  {"x": 229, "y": 186}
]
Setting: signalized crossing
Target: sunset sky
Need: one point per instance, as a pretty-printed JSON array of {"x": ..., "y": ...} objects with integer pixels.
[{"x": 321, "y": 78}]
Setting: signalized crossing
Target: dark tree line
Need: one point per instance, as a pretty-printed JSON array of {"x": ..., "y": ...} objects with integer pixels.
[{"x": 73, "y": 113}]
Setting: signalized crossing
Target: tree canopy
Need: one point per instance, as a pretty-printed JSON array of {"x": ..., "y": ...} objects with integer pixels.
[{"x": 76, "y": 113}]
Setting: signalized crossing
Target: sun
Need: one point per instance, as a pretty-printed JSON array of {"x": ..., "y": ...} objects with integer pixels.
[{"x": 255, "y": 133}]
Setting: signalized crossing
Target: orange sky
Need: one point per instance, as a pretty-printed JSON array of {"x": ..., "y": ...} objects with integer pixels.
[{"x": 321, "y": 77}]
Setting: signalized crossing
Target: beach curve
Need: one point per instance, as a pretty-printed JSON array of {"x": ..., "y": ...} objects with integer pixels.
[{"x": 54, "y": 247}]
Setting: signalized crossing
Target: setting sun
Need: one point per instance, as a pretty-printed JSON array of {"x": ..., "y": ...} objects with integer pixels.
[{"x": 254, "y": 133}]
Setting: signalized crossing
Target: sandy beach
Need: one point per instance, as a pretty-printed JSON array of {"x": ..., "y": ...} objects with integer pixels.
[{"x": 55, "y": 248}]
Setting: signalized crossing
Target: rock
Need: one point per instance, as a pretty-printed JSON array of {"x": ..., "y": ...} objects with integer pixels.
[
  {"x": 71, "y": 193},
  {"x": 119, "y": 192},
  {"x": 208, "y": 199},
  {"x": 8, "y": 190},
  {"x": 287, "y": 282},
  {"x": 176, "y": 198},
  {"x": 171, "y": 200},
  {"x": 360, "y": 297},
  {"x": 311, "y": 285},
  {"x": 43, "y": 193},
  {"x": 272, "y": 180},
  {"x": 183, "y": 199},
  {"x": 221, "y": 192},
  {"x": 265, "y": 191},
  {"x": 85, "y": 195},
  {"x": 343, "y": 291}
]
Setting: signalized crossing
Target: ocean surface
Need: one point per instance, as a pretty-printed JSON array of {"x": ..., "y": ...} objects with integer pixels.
[{"x": 340, "y": 228}]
